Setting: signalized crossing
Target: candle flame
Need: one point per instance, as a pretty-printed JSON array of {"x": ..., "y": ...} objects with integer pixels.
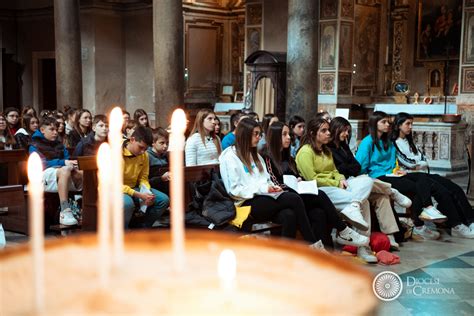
[
  {"x": 178, "y": 121},
  {"x": 103, "y": 157},
  {"x": 115, "y": 120},
  {"x": 227, "y": 266},
  {"x": 35, "y": 168}
]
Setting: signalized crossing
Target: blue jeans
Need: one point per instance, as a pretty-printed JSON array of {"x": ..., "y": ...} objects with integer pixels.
[{"x": 146, "y": 220}]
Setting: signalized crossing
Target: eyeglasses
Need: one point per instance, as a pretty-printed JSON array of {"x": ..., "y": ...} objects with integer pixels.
[{"x": 257, "y": 134}]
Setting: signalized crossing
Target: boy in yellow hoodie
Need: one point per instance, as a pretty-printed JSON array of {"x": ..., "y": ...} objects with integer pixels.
[{"x": 142, "y": 204}]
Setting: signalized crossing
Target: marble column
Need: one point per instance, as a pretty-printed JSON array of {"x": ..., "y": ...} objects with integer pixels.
[
  {"x": 68, "y": 53},
  {"x": 302, "y": 58},
  {"x": 168, "y": 52}
]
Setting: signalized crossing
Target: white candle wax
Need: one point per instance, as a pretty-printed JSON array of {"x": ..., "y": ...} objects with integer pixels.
[
  {"x": 116, "y": 163},
  {"x": 104, "y": 174},
  {"x": 227, "y": 270},
  {"x": 36, "y": 226},
  {"x": 177, "y": 140}
]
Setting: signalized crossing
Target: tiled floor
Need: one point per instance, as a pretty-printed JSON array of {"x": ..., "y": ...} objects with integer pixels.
[{"x": 437, "y": 276}]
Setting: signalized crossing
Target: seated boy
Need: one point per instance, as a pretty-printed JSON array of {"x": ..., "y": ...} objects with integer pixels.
[
  {"x": 136, "y": 185},
  {"x": 89, "y": 146},
  {"x": 158, "y": 158},
  {"x": 60, "y": 174}
]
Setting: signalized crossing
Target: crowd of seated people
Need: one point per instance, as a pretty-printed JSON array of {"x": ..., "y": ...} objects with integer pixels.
[{"x": 387, "y": 169}]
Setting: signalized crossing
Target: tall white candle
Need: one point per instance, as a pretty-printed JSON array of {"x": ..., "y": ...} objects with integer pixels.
[
  {"x": 177, "y": 140},
  {"x": 227, "y": 270},
  {"x": 36, "y": 226},
  {"x": 104, "y": 174},
  {"x": 116, "y": 163}
]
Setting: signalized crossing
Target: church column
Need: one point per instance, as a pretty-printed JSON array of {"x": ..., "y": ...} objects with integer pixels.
[
  {"x": 168, "y": 52},
  {"x": 68, "y": 53},
  {"x": 465, "y": 98},
  {"x": 302, "y": 58}
]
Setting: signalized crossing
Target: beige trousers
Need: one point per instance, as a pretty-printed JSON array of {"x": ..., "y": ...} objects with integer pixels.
[{"x": 380, "y": 199}]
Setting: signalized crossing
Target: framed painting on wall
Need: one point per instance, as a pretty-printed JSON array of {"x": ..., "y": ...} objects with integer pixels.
[
  {"x": 469, "y": 38},
  {"x": 439, "y": 30},
  {"x": 328, "y": 45},
  {"x": 467, "y": 80},
  {"x": 345, "y": 44}
]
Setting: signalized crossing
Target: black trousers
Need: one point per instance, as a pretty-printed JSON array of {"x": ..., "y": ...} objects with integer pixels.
[
  {"x": 323, "y": 216},
  {"x": 421, "y": 187},
  {"x": 464, "y": 213},
  {"x": 288, "y": 210}
]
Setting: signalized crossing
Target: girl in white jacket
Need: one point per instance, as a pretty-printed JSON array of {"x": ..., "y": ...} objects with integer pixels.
[{"x": 246, "y": 180}]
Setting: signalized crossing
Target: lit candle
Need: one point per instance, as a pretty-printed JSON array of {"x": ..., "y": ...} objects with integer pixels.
[
  {"x": 36, "y": 226},
  {"x": 177, "y": 141},
  {"x": 227, "y": 269},
  {"x": 104, "y": 174},
  {"x": 116, "y": 163}
]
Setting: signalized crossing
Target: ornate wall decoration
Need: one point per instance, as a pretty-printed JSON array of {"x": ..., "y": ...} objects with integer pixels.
[
  {"x": 467, "y": 80},
  {"x": 254, "y": 14},
  {"x": 237, "y": 62},
  {"x": 344, "y": 86},
  {"x": 328, "y": 32},
  {"x": 347, "y": 8},
  {"x": 366, "y": 45},
  {"x": 397, "y": 70},
  {"x": 253, "y": 39},
  {"x": 445, "y": 145},
  {"x": 326, "y": 83},
  {"x": 345, "y": 45},
  {"x": 328, "y": 9},
  {"x": 468, "y": 53},
  {"x": 439, "y": 27}
]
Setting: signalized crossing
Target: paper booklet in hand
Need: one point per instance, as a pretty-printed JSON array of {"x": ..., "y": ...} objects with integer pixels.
[
  {"x": 302, "y": 187},
  {"x": 143, "y": 189}
]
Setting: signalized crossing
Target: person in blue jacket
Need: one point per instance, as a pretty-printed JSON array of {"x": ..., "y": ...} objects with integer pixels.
[
  {"x": 378, "y": 158},
  {"x": 60, "y": 173}
]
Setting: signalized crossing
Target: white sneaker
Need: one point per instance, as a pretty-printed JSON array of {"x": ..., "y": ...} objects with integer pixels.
[
  {"x": 366, "y": 254},
  {"x": 393, "y": 244},
  {"x": 462, "y": 231},
  {"x": 352, "y": 214},
  {"x": 471, "y": 227},
  {"x": 67, "y": 218},
  {"x": 319, "y": 246},
  {"x": 400, "y": 199},
  {"x": 424, "y": 233},
  {"x": 431, "y": 214},
  {"x": 350, "y": 237}
]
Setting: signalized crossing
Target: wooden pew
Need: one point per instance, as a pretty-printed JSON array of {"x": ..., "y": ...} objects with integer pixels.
[
  {"x": 15, "y": 160},
  {"x": 12, "y": 198},
  {"x": 89, "y": 192}
]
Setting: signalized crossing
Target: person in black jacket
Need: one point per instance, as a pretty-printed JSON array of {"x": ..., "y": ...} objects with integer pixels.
[
  {"x": 29, "y": 125},
  {"x": 381, "y": 192},
  {"x": 321, "y": 212},
  {"x": 81, "y": 128},
  {"x": 89, "y": 146}
]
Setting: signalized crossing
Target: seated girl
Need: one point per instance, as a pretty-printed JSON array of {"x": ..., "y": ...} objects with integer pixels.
[
  {"x": 203, "y": 147},
  {"x": 297, "y": 125},
  {"x": 377, "y": 157},
  {"x": 381, "y": 192},
  {"x": 321, "y": 212},
  {"x": 29, "y": 125},
  {"x": 411, "y": 159},
  {"x": 248, "y": 183}
]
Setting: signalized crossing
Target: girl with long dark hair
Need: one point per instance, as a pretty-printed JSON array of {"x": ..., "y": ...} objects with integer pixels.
[
  {"x": 411, "y": 159},
  {"x": 320, "y": 210},
  {"x": 141, "y": 117},
  {"x": 315, "y": 162},
  {"x": 377, "y": 157},
  {"x": 7, "y": 140},
  {"x": 203, "y": 147},
  {"x": 82, "y": 127},
  {"x": 268, "y": 119},
  {"x": 297, "y": 125},
  {"x": 12, "y": 115},
  {"x": 29, "y": 125},
  {"x": 246, "y": 180},
  {"x": 381, "y": 191}
]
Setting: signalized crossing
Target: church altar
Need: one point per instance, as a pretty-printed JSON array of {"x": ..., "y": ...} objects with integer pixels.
[{"x": 416, "y": 109}]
